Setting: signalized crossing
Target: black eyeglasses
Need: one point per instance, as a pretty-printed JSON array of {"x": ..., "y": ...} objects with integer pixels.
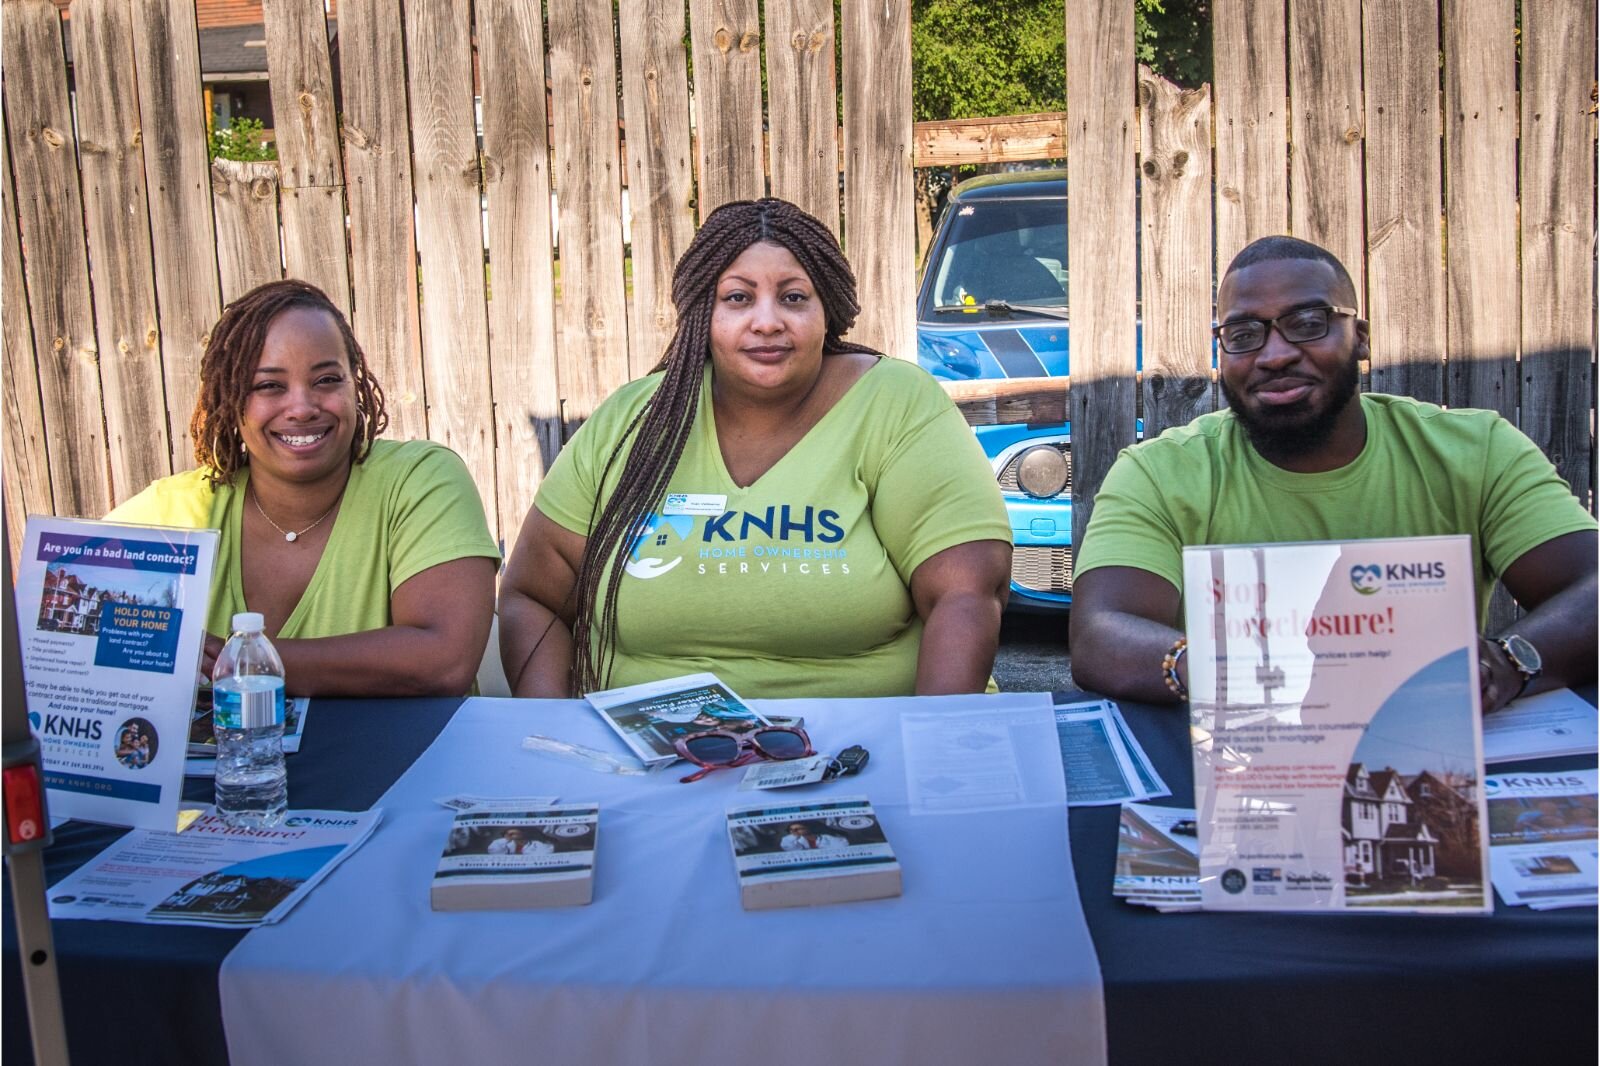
[{"x": 1306, "y": 324}]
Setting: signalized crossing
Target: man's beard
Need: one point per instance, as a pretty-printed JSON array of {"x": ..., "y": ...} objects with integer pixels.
[{"x": 1295, "y": 431}]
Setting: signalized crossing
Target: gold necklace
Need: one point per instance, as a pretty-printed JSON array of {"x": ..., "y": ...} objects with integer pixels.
[{"x": 292, "y": 535}]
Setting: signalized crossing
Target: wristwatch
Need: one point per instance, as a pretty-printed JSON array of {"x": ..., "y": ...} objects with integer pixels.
[{"x": 1524, "y": 656}]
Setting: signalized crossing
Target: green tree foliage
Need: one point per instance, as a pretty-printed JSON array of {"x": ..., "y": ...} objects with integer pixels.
[
  {"x": 1007, "y": 57},
  {"x": 242, "y": 140}
]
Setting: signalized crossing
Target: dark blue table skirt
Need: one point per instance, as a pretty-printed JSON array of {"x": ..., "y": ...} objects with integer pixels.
[
  {"x": 1179, "y": 988},
  {"x": 148, "y": 994}
]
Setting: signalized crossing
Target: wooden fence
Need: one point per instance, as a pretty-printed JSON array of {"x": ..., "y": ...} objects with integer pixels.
[{"x": 1461, "y": 195}]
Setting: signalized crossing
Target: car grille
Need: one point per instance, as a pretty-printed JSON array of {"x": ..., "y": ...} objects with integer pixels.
[
  {"x": 1008, "y": 476},
  {"x": 1042, "y": 569}
]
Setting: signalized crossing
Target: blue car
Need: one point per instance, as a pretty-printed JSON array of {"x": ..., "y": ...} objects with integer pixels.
[{"x": 993, "y": 304}]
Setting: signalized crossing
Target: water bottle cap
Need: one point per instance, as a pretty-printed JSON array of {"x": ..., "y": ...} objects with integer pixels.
[{"x": 248, "y": 622}]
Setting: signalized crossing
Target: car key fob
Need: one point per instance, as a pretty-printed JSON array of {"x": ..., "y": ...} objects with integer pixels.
[{"x": 848, "y": 761}]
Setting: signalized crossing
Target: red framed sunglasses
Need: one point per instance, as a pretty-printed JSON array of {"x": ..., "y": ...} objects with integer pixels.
[{"x": 718, "y": 749}]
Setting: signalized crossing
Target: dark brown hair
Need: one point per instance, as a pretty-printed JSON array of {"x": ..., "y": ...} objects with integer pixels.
[
  {"x": 662, "y": 427},
  {"x": 229, "y": 365}
]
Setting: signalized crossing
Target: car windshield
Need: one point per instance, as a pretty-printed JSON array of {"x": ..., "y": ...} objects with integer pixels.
[{"x": 1010, "y": 251}]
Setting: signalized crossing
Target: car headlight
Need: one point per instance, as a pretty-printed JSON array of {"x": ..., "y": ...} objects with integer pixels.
[{"x": 1042, "y": 472}]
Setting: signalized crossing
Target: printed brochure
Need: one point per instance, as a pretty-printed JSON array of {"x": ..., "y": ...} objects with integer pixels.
[
  {"x": 498, "y": 858},
  {"x": 1158, "y": 864},
  {"x": 211, "y": 874},
  {"x": 112, "y": 621},
  {"x": 1337, "y": 736},
  {"x": 1102, "y": 761},
  {"x": 801, "y": 854},
  {"x": 651, "y": 717},
  {"x": 1542, "y": 838}
]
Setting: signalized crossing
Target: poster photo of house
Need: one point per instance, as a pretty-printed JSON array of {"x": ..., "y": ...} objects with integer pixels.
[
  {"x": 1410, "y": 811},
  {"x": 76, "y": 595}
]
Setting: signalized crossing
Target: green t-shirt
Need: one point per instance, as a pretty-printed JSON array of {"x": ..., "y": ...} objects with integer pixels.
[
  {"x": 1424, "y": 471},
  {"x": 798, "y": 584},
  {"x": 408, "y": 506}
]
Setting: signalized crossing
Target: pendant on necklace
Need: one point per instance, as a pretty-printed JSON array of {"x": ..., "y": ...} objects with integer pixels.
[{"x": 291, "y": 536}]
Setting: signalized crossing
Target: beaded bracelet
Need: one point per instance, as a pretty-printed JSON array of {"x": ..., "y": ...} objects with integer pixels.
[{"x": 1169, "y": 668}]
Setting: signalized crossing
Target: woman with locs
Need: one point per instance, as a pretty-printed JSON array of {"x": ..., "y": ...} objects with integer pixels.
[
  {"x": 370, "y": 560},
  {"x": 774, "y": 504}
]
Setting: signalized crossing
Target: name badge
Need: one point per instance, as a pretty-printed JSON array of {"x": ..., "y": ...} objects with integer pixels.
[{"x": 705, "y": 503}]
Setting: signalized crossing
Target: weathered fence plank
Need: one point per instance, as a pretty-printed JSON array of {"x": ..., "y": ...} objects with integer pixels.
[
  {"x": 56, "y": 263},
  {"x": 307, "y": 129},
  {"x": 27, "y": 480},
  {"x": 804, "y": 141},
  {"x": 244, "y": 197},
  {"x": 1175, "y": 234},
  {"x": 726, "y": 38},
  {"x": 655, "y": 105},
  {"x": 1481, "y": 217},
  {"x": 1008, "y": 139},
  {"x": 377, "y": 167},
  {"x": 166, "y": 49},
  {"x": 592, "y": 314},
  {"x": 1325, "y": 126},
  {"x": 1405, "y": 262},
  {"x": 455, "y": 327},
  {"x": 1481, "y": 203},
  {"x": 117, "y": 220},
  {"x": 1251, "y": 92},
  {"x": 1101, "y": 236},
  {"x": 879, "y": 208},
  {"x": 516, "y": 171},
  {"x": 1558, "y": 229},
  {"x": 1010, "y": 401}
]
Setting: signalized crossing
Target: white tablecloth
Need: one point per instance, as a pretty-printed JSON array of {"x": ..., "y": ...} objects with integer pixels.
[{"x": 985, "y": 959}]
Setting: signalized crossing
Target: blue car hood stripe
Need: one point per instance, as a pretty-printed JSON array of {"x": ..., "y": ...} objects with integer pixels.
[{"x": 1016, "y": 357}]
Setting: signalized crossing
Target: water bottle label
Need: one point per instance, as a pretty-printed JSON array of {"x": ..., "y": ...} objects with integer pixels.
[{"x": 253, "y": 709}]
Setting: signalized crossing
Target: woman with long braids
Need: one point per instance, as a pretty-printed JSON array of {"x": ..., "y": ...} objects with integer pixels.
[
  {"x": 791, "y": 511},
  {"x": 370, "y": 559}
]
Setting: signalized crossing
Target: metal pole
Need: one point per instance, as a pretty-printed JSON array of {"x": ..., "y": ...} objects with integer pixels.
[{"x": 27, "y": 822}]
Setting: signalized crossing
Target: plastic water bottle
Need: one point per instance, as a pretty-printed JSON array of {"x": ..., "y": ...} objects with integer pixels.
[{"x": 247, "y": 708}]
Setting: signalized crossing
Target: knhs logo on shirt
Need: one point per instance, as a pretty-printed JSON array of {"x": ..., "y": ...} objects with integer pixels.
[
  {"x": 775, "y": 523},
  {"x": 780, "y": 532}
]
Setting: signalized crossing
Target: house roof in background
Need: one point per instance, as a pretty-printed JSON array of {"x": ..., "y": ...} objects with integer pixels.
[
  {"x": 214, "y": 13},
  {"x": 228, "y": 46}
]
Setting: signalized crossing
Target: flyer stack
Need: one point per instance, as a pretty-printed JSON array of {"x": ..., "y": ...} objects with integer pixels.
[
  {"x": 1102, "y": 760},
  {"x": 1158, "y": 864},
  {"x": 1542, "y": 838}
]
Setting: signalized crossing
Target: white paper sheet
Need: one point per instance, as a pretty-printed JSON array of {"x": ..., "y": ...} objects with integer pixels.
[{"x": 1553, "y": 723}]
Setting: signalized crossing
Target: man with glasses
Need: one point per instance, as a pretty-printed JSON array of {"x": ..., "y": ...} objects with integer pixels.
[{"x": 1300, "y": 456}]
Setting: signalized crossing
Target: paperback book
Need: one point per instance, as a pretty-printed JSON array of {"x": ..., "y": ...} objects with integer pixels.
[
  {"x": 804, "y": 854},
  {"x": 503, "y": 859},
  {"x": 1338, "y": 745},
  {"x": 652, "y": 717}
]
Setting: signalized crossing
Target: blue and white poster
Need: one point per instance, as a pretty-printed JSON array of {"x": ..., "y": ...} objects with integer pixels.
[{"x": 113, "y": 624}]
